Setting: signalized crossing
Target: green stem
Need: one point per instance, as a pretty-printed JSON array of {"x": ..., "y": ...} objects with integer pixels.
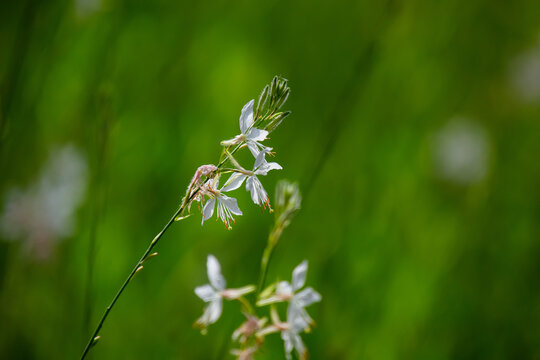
[
  {"x": 126, "y": 282},
  {"x": 94, "y": 338},
  {"x": 247, "y": 306},
  {"x": 273, "y": 238}
]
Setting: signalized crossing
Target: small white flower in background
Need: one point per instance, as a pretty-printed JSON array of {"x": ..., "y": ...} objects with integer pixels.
[
  {"x": 226, "y": 206},
  {"x": 252, "y": 136},
  {"x": 461, "y": 151},
  {"x": 253, "y": 184},
  {"x": 215, "y": 292},
  {"x": 43, "y": 213},
  {"x": 297, "y": 300},
  {"x": 290, "y": 333},
  {"x": 86, "y": 8},
  {"x": 524, "y": 74}
]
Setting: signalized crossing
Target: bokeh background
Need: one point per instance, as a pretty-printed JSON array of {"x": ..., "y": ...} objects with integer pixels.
[{"x": 415, "y": 139}]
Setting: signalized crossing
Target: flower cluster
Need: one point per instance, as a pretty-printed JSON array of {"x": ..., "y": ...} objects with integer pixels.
[
  {"x": 255, "y": 125},
  {"x": 252, "y": 332},
  {"x": 256, "y": 122}
]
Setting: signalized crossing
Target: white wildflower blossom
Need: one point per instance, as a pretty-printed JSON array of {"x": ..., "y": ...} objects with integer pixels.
[
  {"x": 462, "y": 151},
  {"x": 226, "y": 206},
  {"x": 250, "y": 135},
  {"x": 253, "y": 184},
  {"x": 298, "y": 300},
  {"x": 290, "y": 333},
  {"x": 215, "y": 292}
]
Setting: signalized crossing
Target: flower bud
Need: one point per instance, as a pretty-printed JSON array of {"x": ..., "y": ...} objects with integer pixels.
[{"x": 288, "y": 201}]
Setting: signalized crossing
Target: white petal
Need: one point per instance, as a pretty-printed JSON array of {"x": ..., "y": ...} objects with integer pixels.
[
  {"x": 297, "y": 318},
  {"x": 256, "y": 135},
  {"x": 208, "y": 210},
  {"x": 215, "y": 309},
  {"x": 214, "y": 273},
  {"x": 256, "y": 148},
  {"x": 206, "y": 292},
  {"x": 266, "y": 167},
  {"x": 299, "y": 275},
  {"x": 231, "y": 204},
  {"x": 258, "y": 194},
  {"x": 234, "y": 182},
  {"x": 299, "y": 345},
  {"x": 287, "y": 343},
  {"x": 307, "y": 297},
  {"x": 259, "y": 159},
  {"x": 212, "y": 312},
  {"x": 246, "y": 118}
]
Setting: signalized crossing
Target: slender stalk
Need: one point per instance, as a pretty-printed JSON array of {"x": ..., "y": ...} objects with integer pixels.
[
  {"x": 130, "y": 276},
  {"x": 273, "y": 238},
  {"x": 94, "y": 338}
]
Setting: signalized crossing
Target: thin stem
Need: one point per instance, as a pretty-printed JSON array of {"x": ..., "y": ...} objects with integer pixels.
[
  {"x": 247, "y": 306},
  {"x": 126, "y": 282},
  {"x": 137, "y": 267},
  {"x": 273, "y": 238}
]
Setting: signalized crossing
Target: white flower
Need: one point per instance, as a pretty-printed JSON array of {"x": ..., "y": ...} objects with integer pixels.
[
  {"x": 215, "y": 292},
  {"x": 290, "y": 331},
  {"x": 252, "y": 136},
  {"x": 226, "y": 206},
  {"x": 462, "y": 151},
  {"x": 253, "y": 184},
  {"x": 298, "y": 300}
]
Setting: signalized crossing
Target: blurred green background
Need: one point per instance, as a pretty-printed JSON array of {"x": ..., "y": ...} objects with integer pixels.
[{"x": 415, "y": 138}]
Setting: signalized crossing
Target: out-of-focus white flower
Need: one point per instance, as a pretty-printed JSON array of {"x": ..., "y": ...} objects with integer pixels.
[
  {"x": 253, "y": 184},
  {"x": 290, "y": 332},
  {"x": 252, "y": 136},
  {"x": 461, "y": 150},
  {"x": 525, "y": 74},
  {"x": 215, "y": 292},
  {"x": 43, "y": 213},
  {"x": 86, "y": 8},
  {"x": 226, "y": 206},
  {"x": 298, "y": 300}
]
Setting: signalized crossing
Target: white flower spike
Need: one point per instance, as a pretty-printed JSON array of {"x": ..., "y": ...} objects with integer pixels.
[
  {"x": 252, "y": 136},
  {"x": 253, "y": 184},
  {"x": 215, "y": 292},
  {"x": 226, "y": 206}
]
